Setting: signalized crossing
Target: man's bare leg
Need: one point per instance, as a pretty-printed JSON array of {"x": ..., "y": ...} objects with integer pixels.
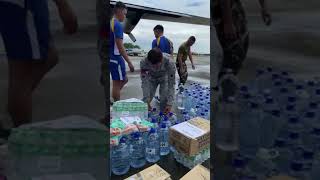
[
  {"x": 116, "y": 87},
  {"x": 39, "y": 70},
  {"x": 20, "y": 92}
]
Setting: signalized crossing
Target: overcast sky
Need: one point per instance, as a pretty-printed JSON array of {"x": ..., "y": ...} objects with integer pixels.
[{"x": 176, "y": 32}]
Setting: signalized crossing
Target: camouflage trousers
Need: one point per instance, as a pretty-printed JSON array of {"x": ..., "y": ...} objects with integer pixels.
[
  {"x": 234, "y": 51},
  {"x": 183, "y": 72}
]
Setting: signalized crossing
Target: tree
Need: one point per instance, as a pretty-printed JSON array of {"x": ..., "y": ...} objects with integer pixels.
[{"x": 131, "y": 46}]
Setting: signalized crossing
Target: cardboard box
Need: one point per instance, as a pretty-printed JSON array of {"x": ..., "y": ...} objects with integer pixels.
[
  {"x": 190, "y": 137},
  {"x": 198, "y": 172},
  {"x": 154, "y": 172}
]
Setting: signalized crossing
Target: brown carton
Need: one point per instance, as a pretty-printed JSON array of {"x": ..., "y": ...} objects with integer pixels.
[
  {"x": 154, "y": 172},
  {"x": 198, "y": 172},
  {"x": 190, "y": 137}
]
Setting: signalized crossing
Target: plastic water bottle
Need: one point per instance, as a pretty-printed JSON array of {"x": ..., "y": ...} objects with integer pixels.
[
  {"x": 250, "y": 131},
  {"x": 154, "y": 113},
  {"x": 227, "y": 125},
  {"x": 316, "y": 96},
  {"x": 166, "y": 121},
  {"x": 308, "y": 156},
  {"x": 268, "y": 128},
  {"x": 290, "y": 111},
  {"x": 160, "y": 117},
  {"x": 295, "y": 143},
  {"x": 302, "y": 96},
  {"x": 297, "y": 170},
  {"x": 310, "y": 86},
  {"x": 309, "y": 119},
  {"x": 164, "y": 140},
  {"x": 154, "y": 121},
  {"x": 153, "y": 147},
  {"x": 137, "y": 151},
  {"x": 173, "y": 118},
  {"x": 282, "y": 161},
  {"x": 180, "y": 99},
  {"x": 315, "y": 171},
  {"x": 120, "y": 157},
  {"x": 312, "y": 140}
]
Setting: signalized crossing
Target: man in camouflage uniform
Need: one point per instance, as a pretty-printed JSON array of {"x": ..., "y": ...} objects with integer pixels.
[
  {"x": 158, "y": 69},
  {"x": 183, "y": 53}
]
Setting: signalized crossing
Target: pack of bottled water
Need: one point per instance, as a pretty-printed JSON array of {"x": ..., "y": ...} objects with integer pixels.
[
  {"x": 277, "y": 113},
  {"x": 67, "y": 145},
  {"x": 129, "y": 107},
  {"x": 192, "y": 161}
]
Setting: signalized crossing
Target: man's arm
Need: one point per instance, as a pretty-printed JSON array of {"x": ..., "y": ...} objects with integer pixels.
[
  {"x": 171, "y": 83},
  {"x": 145, "y": 82},
  {"x": 67, "y": 16},
  {"x": 266, "y": 16},
  {"x": 119, "y": 42},
  {"x": 229, "y": 30},
  {"x": 191, "y": 60}
]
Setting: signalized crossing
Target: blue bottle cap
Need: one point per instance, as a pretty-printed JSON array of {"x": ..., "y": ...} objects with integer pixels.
[
  {"x": 170, "y": 113},
  {"x": 154, "y": 120},
  {"x": 238, "y": 162},
  {"x": 154, "y": 109},
  {"x": 294, "y": 135},
  {"x": 163, "y": 125},
  {"x": 160, "y": 113},
  {"x": 244, "y": 88},
  {"x": 123, "y": 140},
  {"x": 259, "y": 72},
  {"x": 202, "y": 114},
  {"x": 269, "y": 69},
  {"x": 290, "y": 108},
  {"x": 316, "y": 131},
  {"x": 318, "y": 91},
  {"x": 269, "y": 100},
  {"x": 285, "y": 73},
  {"x": 296, "y": 166},
  {"x": 293, "y": 120},
  {"x": 152, "y": 130},
  {"x": 289, "y": 80},
  {"x": 299, "y": 87},
  {"x": 311, "y": 83},
  {"x": 206, "y": 110},
  {"x": 253, "y": 105},
  {"x": 277, "y": 83},
  {"x": 310, "y": 114},
  {"x": 279, "y": 142},
  {"x": 135, "y": 135},
  {"x": 313, "y": 105},
  {"x": 292, "y": 99},
  {"x": 275, "y": 112},
  {"x": 283, "y": 90},
  {"x": 165, "y": 118},
  {"x": 308, "y": 154}
]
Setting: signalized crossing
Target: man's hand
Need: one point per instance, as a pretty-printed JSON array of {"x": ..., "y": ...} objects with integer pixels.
[
  {"x": 167, "y": 109},
  {"x": 69, "y": 19},
  {"x": 193, "y": 67},
  {"x": 266, "y": 16},
  {"x": 131, "y": 67},
  {"x": 149, "y": 107}
]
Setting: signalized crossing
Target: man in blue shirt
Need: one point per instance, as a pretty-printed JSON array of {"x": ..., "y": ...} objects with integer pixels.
[
  {"x": 117, "y": 51},
  {"x": 161, "y": 42}
]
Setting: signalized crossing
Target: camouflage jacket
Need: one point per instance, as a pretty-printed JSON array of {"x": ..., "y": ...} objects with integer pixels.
[{"x": 166, "y": 73}]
